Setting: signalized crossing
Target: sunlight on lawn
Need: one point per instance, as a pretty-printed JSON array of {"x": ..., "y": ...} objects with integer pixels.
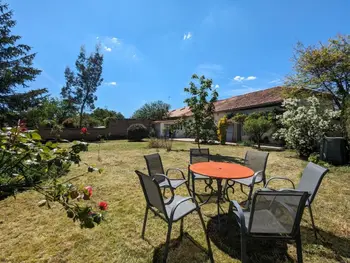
[{"x": 33, "y": 234}]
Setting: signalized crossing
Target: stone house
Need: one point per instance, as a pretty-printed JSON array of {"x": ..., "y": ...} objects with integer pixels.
[{"x": 258, "y": 101}]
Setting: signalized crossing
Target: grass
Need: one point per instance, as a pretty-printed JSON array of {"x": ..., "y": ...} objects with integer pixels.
[{"x": 33, "y": 234}]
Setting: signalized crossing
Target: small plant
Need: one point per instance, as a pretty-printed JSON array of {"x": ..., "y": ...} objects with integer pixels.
[
  {"x": 155, "y": 143},
  {"x": 222, "y": 130},
  {"x": 137, "y": 132}
]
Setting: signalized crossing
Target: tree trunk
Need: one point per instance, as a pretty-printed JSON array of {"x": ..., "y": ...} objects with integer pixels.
[{"x": 81, "y": 115}]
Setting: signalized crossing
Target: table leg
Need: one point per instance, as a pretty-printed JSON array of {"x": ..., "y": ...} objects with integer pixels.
[{"x": 219, "y": 182}]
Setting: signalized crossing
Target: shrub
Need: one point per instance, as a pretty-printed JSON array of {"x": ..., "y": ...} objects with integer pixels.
[
  {"x": 222, "y": 130},
  {"x": 108, "y": 120},
  {"x": 256, "y": 127},
  {"x": 152, "y": 133},
  {"x": 69, "y": 123},
  {"x": 304, "y": 123},
  {"x": 137, "y": 132},
  {"x": 155, "y": 143}
]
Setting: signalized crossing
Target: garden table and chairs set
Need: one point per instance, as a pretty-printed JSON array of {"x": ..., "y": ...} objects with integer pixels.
[{"x": 266, "y": 214}]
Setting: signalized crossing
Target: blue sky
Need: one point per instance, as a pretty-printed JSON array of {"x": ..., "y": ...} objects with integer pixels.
[{"x": 151, "y": 48}]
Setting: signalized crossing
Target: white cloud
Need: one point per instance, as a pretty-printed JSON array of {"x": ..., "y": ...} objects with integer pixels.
[
  {"x": 108, "y": 49},
  {"x": 217, "y": 86},
  {"x": 275, "y": 81},
  {"x": 115, "y": 40},
  {"x": 112, "y": 83},
  {"x": 187, "y": 36},
  {"x": 240, "y": 79},
  {"x": 251, "y": 78}
]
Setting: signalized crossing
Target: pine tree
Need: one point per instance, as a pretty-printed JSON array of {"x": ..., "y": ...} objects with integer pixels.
[{"x": 15, "y": 70}]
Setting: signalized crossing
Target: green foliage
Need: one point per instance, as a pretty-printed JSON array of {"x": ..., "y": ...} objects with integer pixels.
[
  {"x": 152, "y": 133},
  {"x": 157, "y": 110},
  {"x": 324, "y": 68},
  {"x": 202, "y": 126},
  {"x": 137, "y": 132},
  {"x": 256, "y": 125},
  {"x": 104, "y": 115},
  {"x": 239, "y": 117},
  {"x": 16, "y": 70},
  {"x": 222, "y": 130},
  {"x": 26, "y": 163},
  {"x": 315, "y": 158},
  {"x": 80, "y": 87},
  {"x": 69, "y": 123}
]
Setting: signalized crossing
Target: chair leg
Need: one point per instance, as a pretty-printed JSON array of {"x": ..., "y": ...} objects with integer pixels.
[
  {"x": 210, "y": 252},
  {"x": 244, "y": 257},
  {"x": 168, "y": 236},
  {"x": 144, "y": 224},
  {"x": 299, "y": 248},
  {"x": 181, "y": 228},
  {"x": 312, "y": 221}
]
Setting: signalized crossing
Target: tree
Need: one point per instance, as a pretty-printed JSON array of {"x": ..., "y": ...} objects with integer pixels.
[
  {"x": 222, "y": 130},
  {"x": 15, "y": 70},
  {"x": 101, "y": 114},
  {"x": 80, "y": 87},
  {"x": 157, "y": 110},
  {"x": 324, "y": 68},
  {"x": 304, "y": 123},
  {"x": 256, "y": 125},
  {"x": 49, "y": 112},
  {"x": 202, "y": 125}
]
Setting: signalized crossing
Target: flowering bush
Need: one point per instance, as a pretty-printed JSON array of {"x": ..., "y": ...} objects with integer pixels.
[
  {"x": 304, "y": 123},
  {"x": 26, "y": 163},
  {"x": 222, "y": 130}
]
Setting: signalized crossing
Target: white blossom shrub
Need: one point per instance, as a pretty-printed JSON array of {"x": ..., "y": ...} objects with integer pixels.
[{"x": 304, "y": 123}]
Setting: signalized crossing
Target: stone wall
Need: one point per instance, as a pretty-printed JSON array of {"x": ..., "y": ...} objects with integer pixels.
[{"x": 117, "y": 130}]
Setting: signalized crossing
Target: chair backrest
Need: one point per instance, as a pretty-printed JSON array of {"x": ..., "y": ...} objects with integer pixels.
[
  {"x": 155, "y": 166},
  {"x": 152, "y": 192},
  {"x": 277, "y": 212},
  {"x": 311, "y": 179},
  {"x": 257, "y": 162},
  {"x": 199, "y": 155}
]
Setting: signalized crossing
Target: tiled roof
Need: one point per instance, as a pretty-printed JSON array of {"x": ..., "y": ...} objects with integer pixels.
[{"x": 250, "y": 100}]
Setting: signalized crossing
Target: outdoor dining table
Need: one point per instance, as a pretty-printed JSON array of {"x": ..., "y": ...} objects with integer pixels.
[{"x": 221, "y": 171}]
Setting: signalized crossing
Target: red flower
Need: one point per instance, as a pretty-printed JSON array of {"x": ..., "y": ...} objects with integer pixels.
[
  {"x": 83, "y": 130},
  {"x": 22, "y": 125},
  {"x": 89, "y": 190},
  {"x": 103, "y": 205}
]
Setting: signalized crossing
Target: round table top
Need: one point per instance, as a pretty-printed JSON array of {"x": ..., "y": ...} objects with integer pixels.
[{"x": 222, "y": 170}]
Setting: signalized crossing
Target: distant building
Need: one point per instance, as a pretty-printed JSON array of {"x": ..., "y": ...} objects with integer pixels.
[{"x": 258, "y": 101}]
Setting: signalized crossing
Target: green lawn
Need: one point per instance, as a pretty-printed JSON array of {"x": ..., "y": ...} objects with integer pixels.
[{"x": 33, "y": 234}]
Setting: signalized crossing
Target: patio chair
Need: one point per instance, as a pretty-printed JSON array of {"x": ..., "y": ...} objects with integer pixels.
[
  {"x": 257, "y": 162},
  {"x": 198, "y": 156},
  {"x": 170, "y": 210},
  {"x": 270, "y": 217},
  {"x": 310, "y": 181},
  {"x": 156, "y": 171}
]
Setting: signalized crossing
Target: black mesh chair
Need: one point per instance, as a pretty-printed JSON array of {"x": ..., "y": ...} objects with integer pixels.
[
  {"x": 272, "y": 215},
  {"x": 156, "y": 171},
  {"x": 170, "y": 210},
  {"x": 310, "y": 181},
  {"x": 198, "y": 156},
  {"x": 257, "y": 162}
]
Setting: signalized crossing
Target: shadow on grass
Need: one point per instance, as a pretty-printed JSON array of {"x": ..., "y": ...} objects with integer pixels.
[
  {"x": 227, "y": 239},
  {"x": 227, "y": 159},
  {"x": 185, "y": 250},
  {"x": 339, "y": 245}
]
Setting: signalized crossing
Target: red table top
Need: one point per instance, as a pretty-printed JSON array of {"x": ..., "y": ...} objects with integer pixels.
[{"x": 222, "y": 170}]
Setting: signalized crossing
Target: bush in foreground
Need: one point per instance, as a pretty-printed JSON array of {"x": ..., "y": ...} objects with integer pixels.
[{"x": 137, "y": 132}]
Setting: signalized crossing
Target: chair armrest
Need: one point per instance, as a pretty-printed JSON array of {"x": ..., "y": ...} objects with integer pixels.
[
  {"x": 255, "y": 176},
  {"x": 177, "y": 205},
  {"x": 171, "y": 189},
  {"x": 176, "y": 169},
  {"x": 235, "y": 204},
  {"x": 279, "y": 178}
]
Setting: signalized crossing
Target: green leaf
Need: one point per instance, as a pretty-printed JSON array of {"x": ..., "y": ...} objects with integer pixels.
[{"x": 36, "y": 136}]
